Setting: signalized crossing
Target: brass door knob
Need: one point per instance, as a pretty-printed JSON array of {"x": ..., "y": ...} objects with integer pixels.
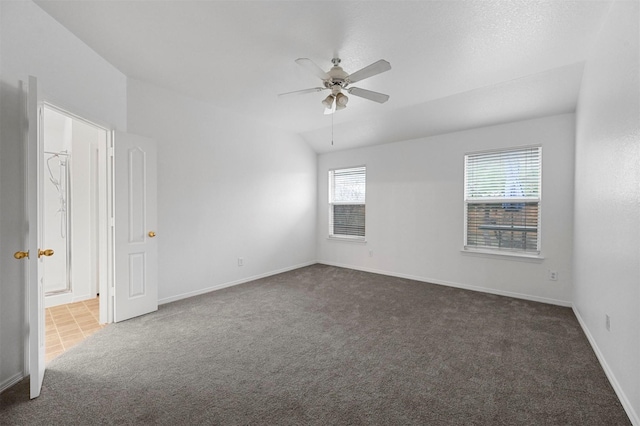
[
  {"x": 21, "y": 254},
  {"x": 47, "y": 252},
  {"x": 152, "y": 234}
]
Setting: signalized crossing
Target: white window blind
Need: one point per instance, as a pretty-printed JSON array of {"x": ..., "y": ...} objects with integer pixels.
[
  {"x": 347, "y": 188},
  {"x": 502, "y": 200}
]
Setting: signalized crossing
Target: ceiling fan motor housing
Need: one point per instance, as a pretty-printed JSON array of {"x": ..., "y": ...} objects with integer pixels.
[{"x": 337, "y": 77}]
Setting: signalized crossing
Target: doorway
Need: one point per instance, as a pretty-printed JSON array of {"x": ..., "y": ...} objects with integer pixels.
[{"x": 74, "y": 209}]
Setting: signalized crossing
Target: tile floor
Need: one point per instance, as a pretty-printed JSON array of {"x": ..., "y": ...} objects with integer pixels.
[{"x": 67, "y": 325}]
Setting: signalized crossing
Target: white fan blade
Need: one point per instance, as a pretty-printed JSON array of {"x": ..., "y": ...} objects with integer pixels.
[
  {"x": 311, "y": 66},
  {"x": 302, "y": 92},
  {"x": 369, "y": 71},
  {"x": 368, "y": 94}
]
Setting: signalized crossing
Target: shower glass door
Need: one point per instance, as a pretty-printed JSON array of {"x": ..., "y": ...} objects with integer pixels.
[{"x": 56, "y": 222}]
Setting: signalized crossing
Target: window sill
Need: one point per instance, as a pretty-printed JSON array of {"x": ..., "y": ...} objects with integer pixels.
[
  {"x": 503, "y": 255},
  {"x": 357, "y": 240}
]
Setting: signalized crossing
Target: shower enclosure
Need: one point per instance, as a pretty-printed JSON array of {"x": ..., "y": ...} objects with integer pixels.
[{"x": 57, "y": 276}]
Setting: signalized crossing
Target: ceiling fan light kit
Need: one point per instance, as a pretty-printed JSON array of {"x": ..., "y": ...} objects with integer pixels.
[
  {"x": 341, "y": 100},
  {"x": 328, "y": 101},
  {"x": 336, "y": 80}
]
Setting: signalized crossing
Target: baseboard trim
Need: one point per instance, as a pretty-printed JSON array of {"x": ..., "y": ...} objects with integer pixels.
[
  {"x": 454, "y": 284},
  {"x": 626, "y": 404},
  {"x": 231, "y": 283},
  {"x": 11, "y": 381}
]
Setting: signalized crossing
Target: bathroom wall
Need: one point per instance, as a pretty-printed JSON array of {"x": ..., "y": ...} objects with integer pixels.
[{"x": 83, "y": 211}]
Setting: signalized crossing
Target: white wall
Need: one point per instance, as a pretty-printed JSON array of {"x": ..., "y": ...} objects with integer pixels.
[
  {"x": 414, "y": 221},
  {"x": 227, "y": 188},
  {"x": 71, "y": 76},
  {"x": 69, "y": 73},
  {"x": 607, "y": 202}
]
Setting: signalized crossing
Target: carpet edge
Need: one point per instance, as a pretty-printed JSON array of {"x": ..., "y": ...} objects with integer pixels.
[
  {"x": 232, "y": 283},
  {"x": 626, "y": 404},
  {"x": 532, "y": 298}
]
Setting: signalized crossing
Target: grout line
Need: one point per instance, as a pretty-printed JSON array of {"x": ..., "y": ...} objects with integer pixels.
[
  {"x": 91, "y": 311},
  {"x": 55, "y": 324},
  {"x": 74, "y": 319}
]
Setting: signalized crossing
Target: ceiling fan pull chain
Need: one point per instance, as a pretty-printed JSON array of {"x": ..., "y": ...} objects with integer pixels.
[{"x": 332, "y": 129}]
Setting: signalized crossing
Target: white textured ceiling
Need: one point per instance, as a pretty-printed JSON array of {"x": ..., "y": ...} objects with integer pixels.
[{"x": 455, "y": 64}]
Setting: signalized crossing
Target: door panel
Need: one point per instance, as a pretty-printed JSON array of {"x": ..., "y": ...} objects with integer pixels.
[
  {"x": 136, "y": 258},
  {"x": 35, "y": 285}
]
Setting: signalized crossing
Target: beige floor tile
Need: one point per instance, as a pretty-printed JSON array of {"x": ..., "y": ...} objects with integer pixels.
[
  {"x": 68, "y": 344},
  {"x": 90, "y": 330},
  {"x": 72, "y": 337},
  {"x": 70, "y": 333},
  {"x": 52, "y": 342},
  {"x": 64, "y": 322},
  {"x": 85, "y": 321},
  {"x": 64, "y": 328},
  {"x": 62, "y": 318},
  {"x": 67, "y": 325}
]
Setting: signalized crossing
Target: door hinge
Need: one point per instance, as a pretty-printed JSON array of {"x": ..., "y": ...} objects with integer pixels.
[{"x": 111, "y": 151}]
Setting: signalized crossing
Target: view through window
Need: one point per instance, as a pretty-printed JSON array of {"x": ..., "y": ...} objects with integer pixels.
[
  {"x": 502, "y": 200},
  {"x": 347, "y": 189}
]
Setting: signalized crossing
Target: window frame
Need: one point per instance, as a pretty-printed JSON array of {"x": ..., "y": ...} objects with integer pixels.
[
  {"x": 523, "y": 253},
  {"x": 332, "y": 203}
]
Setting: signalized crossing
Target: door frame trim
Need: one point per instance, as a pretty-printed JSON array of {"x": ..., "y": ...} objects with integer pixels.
[{"x": 105, "y": 207}]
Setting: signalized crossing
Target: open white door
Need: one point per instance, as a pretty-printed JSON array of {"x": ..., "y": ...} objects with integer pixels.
[
  {"x": 136, "y": 248},
  {"x": 35, "y": 256}
]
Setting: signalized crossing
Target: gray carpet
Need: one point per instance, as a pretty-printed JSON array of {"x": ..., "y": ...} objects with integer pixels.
[{"x": 329, "y": 346}]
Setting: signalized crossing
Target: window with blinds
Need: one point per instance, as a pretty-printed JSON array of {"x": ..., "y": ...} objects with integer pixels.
[
  {"x": 502, "y": 200},
  {"x": 347, "y": 189}
]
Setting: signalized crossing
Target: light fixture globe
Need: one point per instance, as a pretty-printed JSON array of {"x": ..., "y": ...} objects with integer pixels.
[
  {"x": 328, "y": 101},
  {"x": 341, "y": 100}
]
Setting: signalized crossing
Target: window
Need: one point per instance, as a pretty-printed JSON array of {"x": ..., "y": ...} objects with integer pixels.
[
  {"x": 347, "y": 203},
  {"x": 502, "y": 200}
]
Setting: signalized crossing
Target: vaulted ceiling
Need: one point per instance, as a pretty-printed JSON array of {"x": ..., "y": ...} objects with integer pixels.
[{"x": 455, "y": 64}]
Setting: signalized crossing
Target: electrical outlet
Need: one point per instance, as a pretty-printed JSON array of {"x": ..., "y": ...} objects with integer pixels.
[
  {"x": 240, "y": 261},
  {"x": 553, "y": 275},
  {"x": 607, "y": 322}
]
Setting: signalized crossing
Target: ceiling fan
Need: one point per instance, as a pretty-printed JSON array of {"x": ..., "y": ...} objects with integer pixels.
[{"x": 337, "y": 80}]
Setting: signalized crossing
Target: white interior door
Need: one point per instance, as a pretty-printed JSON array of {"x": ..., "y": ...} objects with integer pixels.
[
  {"x": 35, "y": 285},
  {"x": 136, "y": 249}
]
